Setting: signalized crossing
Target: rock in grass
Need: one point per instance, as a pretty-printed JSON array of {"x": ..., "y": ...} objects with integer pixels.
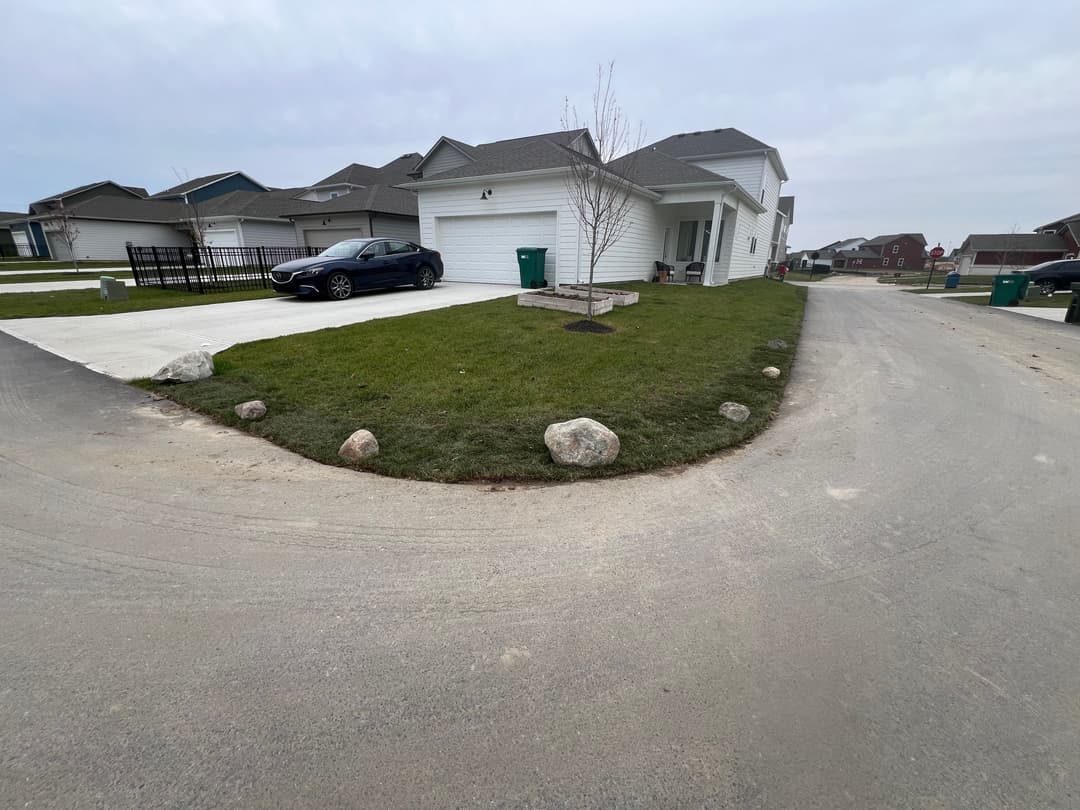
[
  {"x": 186, "y": 368},
  {"x": 734, "y": 411},
  {"x": 778, "y": 344},
  {"x": 581, "y": 443},
  {"x": 255, "y": 409},
  {"x": 772, "y": 372},
  {"x": 359, "y": 446}
]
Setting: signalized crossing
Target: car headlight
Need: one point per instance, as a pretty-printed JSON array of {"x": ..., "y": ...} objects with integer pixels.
[{"x": 311, "y": 271}]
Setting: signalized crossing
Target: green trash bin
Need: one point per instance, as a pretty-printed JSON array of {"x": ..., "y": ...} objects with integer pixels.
[
  {"x": 531, "y": 266},
  {"x": 1009, "y": 289}
]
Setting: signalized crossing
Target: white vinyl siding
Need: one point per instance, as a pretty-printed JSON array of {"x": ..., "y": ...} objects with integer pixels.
[
  {"x": 268, "y": 234},
  {"x": 58, "y": 249},
  {"x": 337, "y": 227},
  {"x": 325, "y": 237},
  {"x": 484, "y": 248},
  {"x": 633, "y": 257},
  {"x": 221, "y": 237},
  {"x": 743, "y": 263},
  {"x": 744, "y": 170},
  {"x": 405, "y": 228},
  {"x": 104, "y": 239},
  {"x": 445, "y": 158}
]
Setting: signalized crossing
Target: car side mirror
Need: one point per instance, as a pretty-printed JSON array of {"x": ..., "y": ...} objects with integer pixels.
[{"x": 364, "y": 257}]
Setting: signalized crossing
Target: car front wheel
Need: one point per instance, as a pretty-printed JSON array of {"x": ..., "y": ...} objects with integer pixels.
[
  {"x": 338, "y": 286},
  {"x": 425, "y": 278},
  {"x": 1047, "y": 286}
]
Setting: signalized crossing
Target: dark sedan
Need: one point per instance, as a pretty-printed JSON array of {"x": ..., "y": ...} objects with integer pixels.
[
  {"x": 1052, "y": 276},
  {"x": 359, "y": 264}
]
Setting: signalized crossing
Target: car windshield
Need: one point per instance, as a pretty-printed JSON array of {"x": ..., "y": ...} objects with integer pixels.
[
  {"x": 1042, "y": 266},
  {"x": 350, "y": 247}
]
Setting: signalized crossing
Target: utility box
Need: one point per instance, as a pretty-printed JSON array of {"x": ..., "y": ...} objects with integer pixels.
[
  {"x": 531, "y": 266},
  {"x": 113, "y": 290},
  {"x": 1009, "y": 289},
  {"x": 1072, "y": 314}
]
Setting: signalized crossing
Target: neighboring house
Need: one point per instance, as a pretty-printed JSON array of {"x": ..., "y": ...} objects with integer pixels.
[
  {"x": 991, "y": 253},
  {"x": 8, "y": 248},
  {"x": 108, "y": 223},
  {"x": 1068, "y": 229},
  {"x": 785, "y": 218},
  {"x": 355, "y": 202},
  {"x": 205, "y": 188},
  {"x": 478, "y": 204},
  {"x": 894, "y": 251}
]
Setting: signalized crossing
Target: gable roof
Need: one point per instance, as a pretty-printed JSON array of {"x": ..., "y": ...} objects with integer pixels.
[
  {"x": 723, "y": 141},
  {"x": 649, "y": 167},
  {"x": 1057, "y": 225},
  {"x": 135, "y": 190},
  {"x": 859, "y": 253},
  {"x": 529, "y": 153},
  {"x": 11, "y": 216},
  {"x": 359, "y": 174},
  {"x": 269, "y": 204},
  {"x": 1015, "y": 241},
  {"x": 200, "y": 182},
  {"x": 130, "y": 209},
  {"x": 884, "y": 239}
]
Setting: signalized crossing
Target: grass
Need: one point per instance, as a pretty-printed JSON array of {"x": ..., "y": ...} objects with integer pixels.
[
  {"x": 465, "y": 393},
  {"x": 938, "y": 282},
  {"x": 88, "y": 302},
  {"x": 804, "y": 275},
  {"x": 15, "y": 265},
  {"x": 28, "y": 278}
]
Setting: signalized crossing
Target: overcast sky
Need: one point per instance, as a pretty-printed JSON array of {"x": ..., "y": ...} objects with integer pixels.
[{"x": 940, "y": 117}]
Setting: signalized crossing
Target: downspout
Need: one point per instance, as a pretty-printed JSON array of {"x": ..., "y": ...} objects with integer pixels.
[{"x": 370, "y": 223}]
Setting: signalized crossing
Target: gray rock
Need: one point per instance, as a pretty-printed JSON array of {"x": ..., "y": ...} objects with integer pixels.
[
  {"x": 777, "y": 344},
  {"x": 255, "y": 409},
  {"x": 772, "y": 372},
  {"x": 186, "y": 368},
  {"x": 359, "y": 446},
  {"x": 734, "y": 411},
  {"x": 581, "y": 443}
]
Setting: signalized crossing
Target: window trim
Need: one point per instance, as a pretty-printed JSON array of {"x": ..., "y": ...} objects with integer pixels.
[
  {"x": 895, "y": 249},
  {"x": 885, "y": 262}
]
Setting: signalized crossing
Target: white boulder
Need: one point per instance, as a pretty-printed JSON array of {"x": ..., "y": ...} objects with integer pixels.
[
  {"x": 359, "y": 446},
  {"x": 255, "y": 409},
  {"x": 186, "y": 368},
  {"x": 734, "y": 411},
  {"x": 772, "y": 372},
  {"x": 581, "y": 443}
]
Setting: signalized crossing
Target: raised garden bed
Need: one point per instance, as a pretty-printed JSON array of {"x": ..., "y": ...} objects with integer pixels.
[
  {"x": 565, "y": 302},
  {"x": 620, "y": 298}
]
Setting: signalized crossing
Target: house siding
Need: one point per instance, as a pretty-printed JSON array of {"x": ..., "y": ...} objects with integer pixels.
[
  {"x": 743, "y": 263},
  {"x": 268, "y": 234},
  {"x": 357, "y": 224},
  {"x": 633, "y": 257},
  {"x": 405, "y": 228},
  {"x": 744, "y": 170},
  {"x": 445, "y": 158},
  {"x": 99, "y": 239},
  {"x": 223, "y": 186}
]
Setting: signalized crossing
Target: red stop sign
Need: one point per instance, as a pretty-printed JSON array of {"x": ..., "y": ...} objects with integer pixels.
[{"x": 937, "y": 253}]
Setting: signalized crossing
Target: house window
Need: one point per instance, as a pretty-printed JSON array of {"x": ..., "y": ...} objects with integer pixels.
[
  {"x": 753, "y": 244},
  {"x": 705, "y": 241},
  {"x": 687, "y": 241},
  {"x": 895, "y": 248},
  {"x": 885, "y": 262},
  {"x": 900, "y": 262}
]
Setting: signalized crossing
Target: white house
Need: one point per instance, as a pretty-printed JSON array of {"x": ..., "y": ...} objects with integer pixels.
[{"x": 478, "y": 204}]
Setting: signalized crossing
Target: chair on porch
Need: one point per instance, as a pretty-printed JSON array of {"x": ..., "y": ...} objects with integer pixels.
[
  {"x": 664, "y": 272},
  {"x": 694, "y": 272}
]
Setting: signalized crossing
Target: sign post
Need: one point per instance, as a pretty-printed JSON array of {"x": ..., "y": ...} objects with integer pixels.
[
  {"x": 935, "y": 254},
  {"x": 813, "y": 261}
]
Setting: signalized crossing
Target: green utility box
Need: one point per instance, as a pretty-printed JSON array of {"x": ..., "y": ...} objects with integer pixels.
[
  {"x": 531, "y": 266},
  {"x": 1009, "y": 289},
  {"x": 1072, "y": 314}
]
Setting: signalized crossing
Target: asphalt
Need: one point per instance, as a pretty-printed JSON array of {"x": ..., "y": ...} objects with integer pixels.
[
  {"x": 130, "y": 345},
  {"x": 871, "y": 605}
]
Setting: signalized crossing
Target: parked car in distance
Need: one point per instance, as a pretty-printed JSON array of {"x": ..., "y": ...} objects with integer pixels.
[
  {"x": 1056, "y": 275},
  {"x": 359, "y": 264}
]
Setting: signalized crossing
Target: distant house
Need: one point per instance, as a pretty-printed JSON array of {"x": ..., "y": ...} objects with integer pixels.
[
  {"x": 894, "y": 251},
  {"x": 8, "y": 248},
  {"x": 785, "y": 218},
  {"x": 202, "y": 189},
  {"x": 1068, "y": 229},
  {"x": 991, "y": 253}
]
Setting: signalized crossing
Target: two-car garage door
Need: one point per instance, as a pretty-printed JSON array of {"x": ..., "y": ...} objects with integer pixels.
[{"x": 484, "y": 248}]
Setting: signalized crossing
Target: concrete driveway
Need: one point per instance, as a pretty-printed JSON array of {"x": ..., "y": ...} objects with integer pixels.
[
  {"x": 873, "y": 604},
  {"x": 137, "y": 344}
]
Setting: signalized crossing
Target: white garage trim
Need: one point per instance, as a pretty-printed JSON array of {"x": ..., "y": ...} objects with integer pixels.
[{"x": 484, "y": 248}]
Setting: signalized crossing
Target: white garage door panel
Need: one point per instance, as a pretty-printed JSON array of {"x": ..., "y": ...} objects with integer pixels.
[
  {"x": 484, "y": 248},
  {"x": 22, "y": 243},
  {"x": 222, "y": 238},
  {"x": 325, "y": 237}
]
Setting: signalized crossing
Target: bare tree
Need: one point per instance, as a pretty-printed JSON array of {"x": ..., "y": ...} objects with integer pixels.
[
  {"x": 68, "y": 230},
  {"x": 601, "y": 198},
  {"x": 1011, "y": 243},
  {"x": 193, "y": 219}
]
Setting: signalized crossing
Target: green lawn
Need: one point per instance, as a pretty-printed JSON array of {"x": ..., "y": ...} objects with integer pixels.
[
  {"x": 16, "y": 265},
  {"x": 88, "y": 302},
  {"x": 804, "y": 275},
  {"x": 1060, "y": 300},
  {"x": 70, "y": 275},
  {"x": 465, "y": 393},
  {"x": 938, "y": 282}
]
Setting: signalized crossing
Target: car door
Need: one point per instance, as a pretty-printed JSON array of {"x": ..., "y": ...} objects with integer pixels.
[
  {"x": 373, "y": 266},
  {"x": 404, "y": 256},
  {"x": 1071, "y": 273}
]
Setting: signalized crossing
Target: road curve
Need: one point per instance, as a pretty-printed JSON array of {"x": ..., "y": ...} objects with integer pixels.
[{"x": 874, "y": 604}]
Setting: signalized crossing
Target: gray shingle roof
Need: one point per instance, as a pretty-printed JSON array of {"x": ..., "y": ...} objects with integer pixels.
[
  {"x": 78, "y": 189},
  {"x": 859, "y": 253},
  {"x": 253, "y": 203},
  {"x": 11, "y": 216},
  {"x": 1053, "y": 226},
  {"x": 648, "y": 167},
  {"x": 533, "y": 152},
  {"x": 126, "y": 208},
  {"x": 786, "y": 205},
  {"x": 889, "y": 237},
  {"x": 710, "y": 142},
  {"x": 191, "y": 185},
  {"x": 378, "y": 199},
  {"x": 1015, "y": 241},
  {"x": 359, "y": 174}
]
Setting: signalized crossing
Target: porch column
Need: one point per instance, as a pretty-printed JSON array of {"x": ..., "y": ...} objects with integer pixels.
[{"x": 714, "y": 235}]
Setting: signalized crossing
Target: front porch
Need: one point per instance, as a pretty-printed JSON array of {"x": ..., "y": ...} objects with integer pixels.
[{"x": 689, "y": 235}]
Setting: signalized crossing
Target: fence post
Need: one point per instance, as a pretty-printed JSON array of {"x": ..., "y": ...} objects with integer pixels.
[
  {"x": 157, "y": 266},
  {"x": 134, "y": 267},
  {"x": 183, "y": 266},
  {"x": 213, "y": 268},
  {"x": 262, "y": 265}
]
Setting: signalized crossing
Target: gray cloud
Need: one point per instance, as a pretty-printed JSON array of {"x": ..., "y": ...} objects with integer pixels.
[{"x": 944, "y": 118}]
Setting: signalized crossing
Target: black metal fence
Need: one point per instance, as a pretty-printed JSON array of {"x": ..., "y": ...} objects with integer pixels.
[{"x": 210, "y": 269}]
